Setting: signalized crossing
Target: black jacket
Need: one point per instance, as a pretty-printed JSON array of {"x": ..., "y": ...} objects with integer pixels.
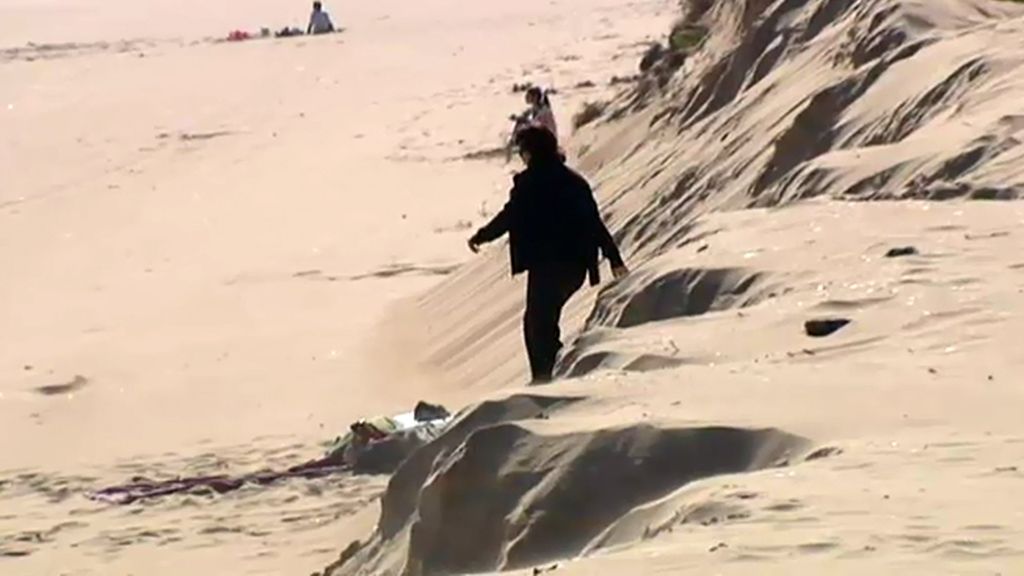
[{"x": 551, "y": 218}]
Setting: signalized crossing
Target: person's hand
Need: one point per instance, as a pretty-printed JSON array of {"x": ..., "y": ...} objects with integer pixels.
[
  {"x": 474, "y": 246},
  {"x": 620, "y": 272}
]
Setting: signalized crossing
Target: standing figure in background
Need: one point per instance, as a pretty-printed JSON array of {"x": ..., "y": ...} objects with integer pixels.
[
  {"x": 319, "y": 21},
  {"x": 537, "y": 115},
  {"x": 540, "y": 113}
]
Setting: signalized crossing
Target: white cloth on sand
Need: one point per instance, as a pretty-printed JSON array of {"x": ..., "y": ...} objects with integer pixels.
[{"x": 407, "y": 421}]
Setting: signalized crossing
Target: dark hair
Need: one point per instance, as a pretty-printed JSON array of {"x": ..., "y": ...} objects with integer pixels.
[
  {"x": 317, "y": 5},
  {"x": 539, "y": 143},
  {"x": 540, "y": 95}
]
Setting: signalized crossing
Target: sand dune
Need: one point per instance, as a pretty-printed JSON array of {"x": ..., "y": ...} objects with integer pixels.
[
  {"x": 199, "y": 239},
  {"x": 563, "y": 492},
  {"x": 752, "y": 176},
  {"x": 217, "y": 254},
  {"x": 725, "y": 134}
]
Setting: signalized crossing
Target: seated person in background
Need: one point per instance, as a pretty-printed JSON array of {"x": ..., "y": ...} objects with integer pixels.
[{"x": 319, "y": 21}]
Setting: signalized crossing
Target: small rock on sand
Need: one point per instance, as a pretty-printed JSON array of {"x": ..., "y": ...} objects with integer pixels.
[
  {"x": 822, "y": 327},
  {"x": 901, "y": 251}
]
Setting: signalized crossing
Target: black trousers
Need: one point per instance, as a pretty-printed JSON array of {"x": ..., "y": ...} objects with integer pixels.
[{"x": 548, "y": 287}]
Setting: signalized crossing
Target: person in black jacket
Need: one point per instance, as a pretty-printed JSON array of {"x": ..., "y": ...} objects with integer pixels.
[{"x": 555, "y": 233}]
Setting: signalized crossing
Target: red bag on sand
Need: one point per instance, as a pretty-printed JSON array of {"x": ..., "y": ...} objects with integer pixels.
[{"x": 237, "y": 35}]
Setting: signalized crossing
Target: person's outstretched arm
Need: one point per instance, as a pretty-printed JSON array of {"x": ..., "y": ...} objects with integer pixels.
[{"x": 496, "y": 228}]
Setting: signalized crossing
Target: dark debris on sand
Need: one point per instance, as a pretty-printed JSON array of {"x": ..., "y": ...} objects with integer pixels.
[
  {"x": 901, "y": 251},
  {"x": 76, "y": 383},
  {"x": 822, "y": 327}
]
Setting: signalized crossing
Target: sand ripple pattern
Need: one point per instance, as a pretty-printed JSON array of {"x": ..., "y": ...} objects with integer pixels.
[{"x": 269, "y": 517}]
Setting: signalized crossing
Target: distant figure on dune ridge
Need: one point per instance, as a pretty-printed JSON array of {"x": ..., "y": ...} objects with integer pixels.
[
  {"x": 540, "y": 112},
  {"x": 319, "y": 21},
  {"x": 555, "y": 233}
]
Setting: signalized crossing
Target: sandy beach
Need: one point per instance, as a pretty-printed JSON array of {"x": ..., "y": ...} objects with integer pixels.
[
  {"x": 202, "y": 238},
  {"x": 218, "y": 254}
]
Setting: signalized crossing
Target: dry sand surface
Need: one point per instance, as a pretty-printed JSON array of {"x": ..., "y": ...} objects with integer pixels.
[
  {"x": 813, "y": 367},
  {"x": 199, "y": 239},
  {"x": 204, "y": 244}
]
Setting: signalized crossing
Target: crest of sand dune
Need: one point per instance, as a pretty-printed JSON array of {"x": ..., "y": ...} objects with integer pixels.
[{"x": 813, "y": 366}]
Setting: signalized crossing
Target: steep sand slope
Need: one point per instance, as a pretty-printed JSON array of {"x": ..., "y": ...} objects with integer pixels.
[
  {"x": 725, "y": 184},
  {"x": 785, "y": 100}
]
